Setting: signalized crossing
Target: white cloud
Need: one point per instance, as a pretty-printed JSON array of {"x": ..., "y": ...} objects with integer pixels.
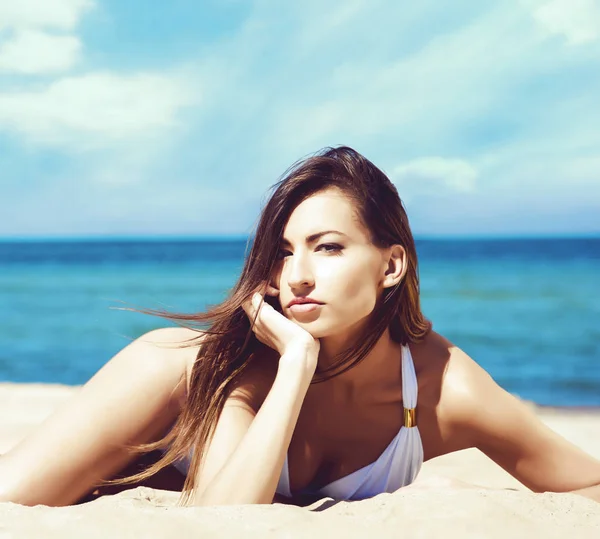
[
  {"x": 430, "y": 175},
  {"x": 577, "y": 20},
  {"x": 27, "y": 47},
  {"x": 32, "y": 51},
  {"x": 93, "y": 110},
  {"x": 54, "y": 14},
  {"x": 98, "y": 109}
]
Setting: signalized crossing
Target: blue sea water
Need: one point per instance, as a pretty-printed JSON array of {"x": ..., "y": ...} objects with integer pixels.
[{"x": 528, "y": 310}]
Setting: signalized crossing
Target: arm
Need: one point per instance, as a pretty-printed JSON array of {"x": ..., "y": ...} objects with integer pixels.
[
  {"x": 132, "y": 399},
  {"x": 247, "y": 451},
  {"x": 485, "y": 416}
]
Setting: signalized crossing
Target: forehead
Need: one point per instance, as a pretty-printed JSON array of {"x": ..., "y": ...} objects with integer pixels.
[{"x": 326, "y": 210}]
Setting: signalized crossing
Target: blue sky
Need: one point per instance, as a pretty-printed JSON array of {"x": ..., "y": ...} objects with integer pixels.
[{"x": 128, "y": 118}]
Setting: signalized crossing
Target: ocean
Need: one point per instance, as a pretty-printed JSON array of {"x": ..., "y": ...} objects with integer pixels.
[{"x": 527, "y": 310}]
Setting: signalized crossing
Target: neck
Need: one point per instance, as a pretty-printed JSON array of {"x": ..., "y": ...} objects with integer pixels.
[{"x": 379, "y": 368}]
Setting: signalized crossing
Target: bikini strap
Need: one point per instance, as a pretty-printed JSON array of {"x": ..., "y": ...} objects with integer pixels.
[{"x": 409, "y": 388}]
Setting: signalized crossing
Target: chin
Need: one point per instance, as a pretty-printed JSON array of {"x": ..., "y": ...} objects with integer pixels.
[
  {"x": 313, "y": 327},
  {"x": 318, "y": 331}
]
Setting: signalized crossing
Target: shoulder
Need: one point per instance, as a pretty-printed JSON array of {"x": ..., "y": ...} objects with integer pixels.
[
  {"x": 464, "y": 383},
  {"x": 185, "y": 345},
  {"x": 176, "y": 342},
  {"x": 172, "y": 335},
  {"x": 175, "y": 348},
  {"x": 170, "y": 345},
  {"x": 474, "y": 410},
  {"x": 461, "y": 393},
  {"x": 182, "y": 346},
  {"x": 449, "y": 374}
]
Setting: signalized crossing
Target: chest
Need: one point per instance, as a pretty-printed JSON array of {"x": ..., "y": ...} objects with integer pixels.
[
  {"x": 327, "y": 447},
  {"x": 332, "y": 442}
]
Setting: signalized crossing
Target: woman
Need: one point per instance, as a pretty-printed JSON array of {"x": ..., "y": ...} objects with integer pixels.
[{"x": 319, "y": 375}]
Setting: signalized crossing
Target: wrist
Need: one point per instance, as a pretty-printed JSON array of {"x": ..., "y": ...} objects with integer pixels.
[
  {"x": 299, "y": 362},
  {"x": 298, "y": 346}
]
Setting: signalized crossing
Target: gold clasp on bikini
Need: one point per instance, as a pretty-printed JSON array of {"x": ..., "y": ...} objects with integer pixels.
[{"x": 410, "y": 417}]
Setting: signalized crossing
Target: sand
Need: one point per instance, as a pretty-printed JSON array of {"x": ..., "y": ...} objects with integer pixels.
[{"x": 443, "y": 501}]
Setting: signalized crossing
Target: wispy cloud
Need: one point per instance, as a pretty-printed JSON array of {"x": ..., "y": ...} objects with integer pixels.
[
  {"x": 96, "y": 109},
  {"x": 430, "y": 175}
]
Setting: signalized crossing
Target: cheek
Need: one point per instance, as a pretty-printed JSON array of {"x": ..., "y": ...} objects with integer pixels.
[{"x": 353, "y": 293}]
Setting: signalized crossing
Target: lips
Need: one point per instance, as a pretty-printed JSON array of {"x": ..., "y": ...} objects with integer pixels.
[{"x": 304, "y": 301}]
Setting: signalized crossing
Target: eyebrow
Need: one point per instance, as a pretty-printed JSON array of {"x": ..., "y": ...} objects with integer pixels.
[{"x": 314, "y": 237}]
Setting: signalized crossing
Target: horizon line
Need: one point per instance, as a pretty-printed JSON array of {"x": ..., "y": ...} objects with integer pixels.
[{"x": 241, "y": 237}]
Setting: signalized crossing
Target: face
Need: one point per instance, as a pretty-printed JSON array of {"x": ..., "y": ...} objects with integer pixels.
[{"x": 327, "y": 256}]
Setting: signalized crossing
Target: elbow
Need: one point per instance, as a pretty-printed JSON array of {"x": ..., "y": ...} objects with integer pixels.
[
  {"x": 8, "y": 496},
  {"x": 216, "y": 491},
  {"x": 5, "y": 497},
  {"x": 213, "y": 502},
  {"x": 211, "y": 499},
  {"x": 19, "y": 499}
]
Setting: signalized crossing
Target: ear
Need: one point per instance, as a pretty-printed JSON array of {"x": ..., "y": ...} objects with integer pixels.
[{"x": 396, "y": 264}]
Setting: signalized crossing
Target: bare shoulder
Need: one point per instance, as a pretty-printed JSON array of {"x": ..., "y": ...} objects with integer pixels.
[
  {"x": 464, "y": 378},
  {"x": 183, "y": 346},
  {"x": 462, "y": 382},
  {"x": 179, "y": 346},
  {"x": 451, "y": 386},
  {"x": 444, "y": 371},
  {"x": 251, "y": 387},
  {"x": 178, "y": 342},
  {"x": 472, "y": 409}
]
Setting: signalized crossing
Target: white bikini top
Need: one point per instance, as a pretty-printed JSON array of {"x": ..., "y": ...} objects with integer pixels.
[{"x": 396, "y": 467}]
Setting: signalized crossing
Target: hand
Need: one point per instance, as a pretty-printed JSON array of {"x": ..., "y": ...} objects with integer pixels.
[{"x": 274, "y": 329}]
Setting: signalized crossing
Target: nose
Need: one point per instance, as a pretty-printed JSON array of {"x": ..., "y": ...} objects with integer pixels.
[{"x": 300, "y": 273}]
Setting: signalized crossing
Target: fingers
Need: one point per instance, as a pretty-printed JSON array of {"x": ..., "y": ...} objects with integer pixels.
[
  {"x": 256, "y": 299},
  {"x": 254, "y": 305},
  {"x": 251, "y": 306},
  {"x": 272, "y": 291},
  {"x": 254, "y": 309}
]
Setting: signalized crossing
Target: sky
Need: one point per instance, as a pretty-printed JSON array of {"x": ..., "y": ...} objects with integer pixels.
[{"x": 132, "y": 118}]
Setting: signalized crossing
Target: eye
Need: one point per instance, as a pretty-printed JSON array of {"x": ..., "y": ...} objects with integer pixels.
[
  {"x": 282, "y": 254},
  {"x": 331, "y": 248}
]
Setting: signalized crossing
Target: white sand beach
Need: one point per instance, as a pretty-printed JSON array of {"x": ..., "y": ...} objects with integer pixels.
[{"x": 437, "y": 505}]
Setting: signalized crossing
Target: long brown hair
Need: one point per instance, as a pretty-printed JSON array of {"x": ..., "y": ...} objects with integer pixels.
[{"x": 228, "y": 343}]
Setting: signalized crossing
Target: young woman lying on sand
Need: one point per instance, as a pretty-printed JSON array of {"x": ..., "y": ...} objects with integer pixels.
[{"x": 319, "y": 376}]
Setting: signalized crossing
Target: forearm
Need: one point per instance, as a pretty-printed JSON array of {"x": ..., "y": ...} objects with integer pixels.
[{"x": 251, "y": 473}]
